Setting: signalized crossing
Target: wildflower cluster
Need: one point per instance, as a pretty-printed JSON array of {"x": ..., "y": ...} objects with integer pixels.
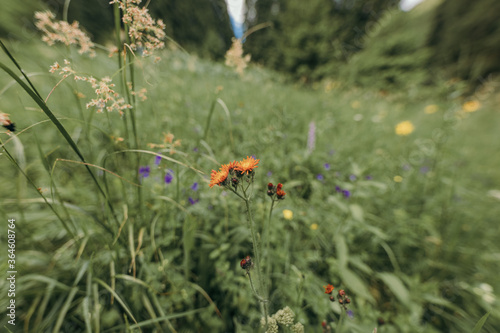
[
  {"x": 61, "y": 31},
  {"x": 146, "y": 34},
  {"x": 284, "y": 317},
  {"x": 145, "y": 171},
  {"x": 231, "y": 175},
  {"x": 341, "y": 296},
  {"x": 168, "y": 143},
  {"x": 107, "y": 98},
  {"x": 234, "y": 56},
  {"x": 6, "y": 123},
  {"x": 276, "y": 192}
]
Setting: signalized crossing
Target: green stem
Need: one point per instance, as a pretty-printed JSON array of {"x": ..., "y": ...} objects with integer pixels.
[
  {"x": 261, "y": 282},
  {"x": 268, "y": 236},
  {"x": 207, "y": 125},
  {"x": 254, "y": 290},
  {"x": 341, "y": 321}
]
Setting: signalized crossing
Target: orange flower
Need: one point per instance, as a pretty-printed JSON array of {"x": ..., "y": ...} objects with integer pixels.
[
  {"x": 328, "y": 288},
  {"x": 246, "y": 166},
  {"x": 219, "y": 177},
  {"x": 280, "y": 193}
]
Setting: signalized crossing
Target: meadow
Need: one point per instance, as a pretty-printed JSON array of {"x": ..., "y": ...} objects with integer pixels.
[{"x": 391, "y": 196}]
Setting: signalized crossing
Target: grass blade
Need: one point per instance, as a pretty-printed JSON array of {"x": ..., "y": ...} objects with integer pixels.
[
  {"x": 480, "y": 323},
  {"x": 117, "y": 297}
]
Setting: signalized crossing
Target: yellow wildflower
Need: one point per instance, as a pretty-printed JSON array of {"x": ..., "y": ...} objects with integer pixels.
[
  {"x": 430, "y": 109},
  {"x": 287, "y": 214},
  {"x": 471, "y": 106},
  {"x": 404, "y": 128},
  {"x": 314, "y": 226},
  {"x": 398, "y": 179}
]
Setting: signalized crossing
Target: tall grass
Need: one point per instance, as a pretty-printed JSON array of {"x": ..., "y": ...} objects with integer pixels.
[{"x": 112, "y": 238}]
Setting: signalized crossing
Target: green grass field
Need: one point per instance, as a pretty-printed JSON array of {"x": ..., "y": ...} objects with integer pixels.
[{"x": 407, "y": 225}]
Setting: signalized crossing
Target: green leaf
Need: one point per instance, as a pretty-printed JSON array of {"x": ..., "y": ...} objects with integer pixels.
[
  {"x": 480, "y": 323},
  {"x": 357, "y": 212},
  {"x": 396, "y": 286},
  {"x": 355, "y": 284}
]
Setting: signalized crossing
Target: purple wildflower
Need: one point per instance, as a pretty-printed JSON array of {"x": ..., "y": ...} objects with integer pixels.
[
  {"x": 193, "y": 201},
  {"x": 338, "y": 189},
  {"x": 350, "y": 314},
  {"x": 352, "y": 178},
  {"x": 195, "y": 149},
  {"x": 327, "y": 166},
  {"x": 144, "y": 171},
  {"x": 424, "y": 169},
  {"x": 269, "y": 173},
  {"x": 346, "y": 193},
  {"x": 157, "y": 160},
  {"x": 368, "y": 177},
  {"x": 194, "y": 187},
  {"x": 169, "y": 176},
  {"x": 320, "y": 177}
]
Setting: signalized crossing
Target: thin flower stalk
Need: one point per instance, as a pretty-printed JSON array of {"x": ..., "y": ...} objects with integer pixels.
[{"x": 237, "y": 177}]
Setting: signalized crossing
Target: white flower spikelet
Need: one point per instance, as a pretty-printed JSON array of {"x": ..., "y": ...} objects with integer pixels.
[
  {"x": 285, "y": 316},
  {"x": 272, "y": 324},
  {"x": 298, "y": 328}
]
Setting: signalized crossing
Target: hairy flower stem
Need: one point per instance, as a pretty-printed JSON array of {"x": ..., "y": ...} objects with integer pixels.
[
  {"x": 123, "y": 63},
  {"x": 266, "y": 246},
  {"x": 117, "y": 17},
  {"x": 343, "y": 314},
  {"x": 261, "y": 282}
]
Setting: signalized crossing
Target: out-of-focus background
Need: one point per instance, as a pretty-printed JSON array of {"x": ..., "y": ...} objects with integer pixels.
[{"x": 370, "y": 42}]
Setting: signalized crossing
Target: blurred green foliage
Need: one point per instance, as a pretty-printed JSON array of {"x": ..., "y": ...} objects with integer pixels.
[
  {"x": 311, "y": 40},
  {"x": 200, "y": 27},
  {"x": 395, "y": 54},
  {"x": 16, "y": 18},
  {"x": 465, "y": 38},
  {"x": 317, "y": 39}
]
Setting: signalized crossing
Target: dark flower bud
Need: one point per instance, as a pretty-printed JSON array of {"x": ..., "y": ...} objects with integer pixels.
[
  {"x": 10, "y": 126},
  {"x": 246, "y": 263},
  {"x": 234, "y": 181}
]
